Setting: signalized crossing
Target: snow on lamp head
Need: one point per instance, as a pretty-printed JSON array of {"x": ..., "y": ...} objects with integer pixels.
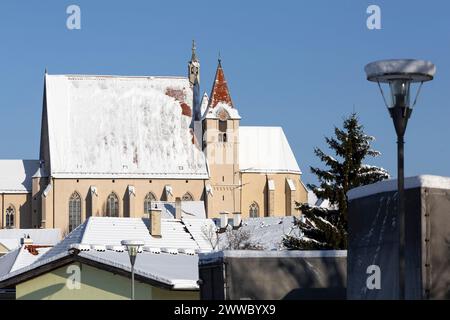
[{"x": 400, "y": 74}]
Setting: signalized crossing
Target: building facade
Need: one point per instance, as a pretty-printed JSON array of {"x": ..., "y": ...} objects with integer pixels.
[{"x": 110, "y": 145}]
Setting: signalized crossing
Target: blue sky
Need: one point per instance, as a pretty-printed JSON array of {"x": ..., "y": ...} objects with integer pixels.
[{"x": 295, "y": 64}]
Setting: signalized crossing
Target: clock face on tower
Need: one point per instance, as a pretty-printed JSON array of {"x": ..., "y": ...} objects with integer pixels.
[{"x": 223, "y": 115}]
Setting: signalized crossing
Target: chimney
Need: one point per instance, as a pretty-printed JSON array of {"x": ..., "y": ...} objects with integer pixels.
[
  {"x": 178, "y": 208},
  {"x": 223, "y": 219},
  {"x": 155, "y": 221},
  {"x": 26, "y": 240},
  {"x": 237, "y": 220}
]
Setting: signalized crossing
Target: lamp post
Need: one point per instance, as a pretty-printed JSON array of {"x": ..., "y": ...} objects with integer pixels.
[
  {"x": 400, "y": 75},
  {"x": 133, "y": 248}
]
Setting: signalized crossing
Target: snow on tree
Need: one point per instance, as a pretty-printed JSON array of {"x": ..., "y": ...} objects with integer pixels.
[{"x": 327, "y": 228}]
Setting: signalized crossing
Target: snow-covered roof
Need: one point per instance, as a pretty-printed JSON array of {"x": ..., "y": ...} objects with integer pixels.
[
  {"x": 265, "y": 149},
  {"x": 10, "y": 238},
  {"x": 189, "y": 209},
  {"x": 170, "y": 259},
  {"x": 215, "y": 113},
  {"x": 312, "y": 198},
  {"x": 267, "y": 232},
  {"x": 21, "y": 257},
  {"x": 206, "y": 258},
  {"x": 116, "y": 126},
  {"x": 16, "y": 175},
  {"x": 204, "y": 104},
  {"x": 423, "y": 181},
  {"x": 111, "y": 231},
  {"x": 179, "y": 271}
]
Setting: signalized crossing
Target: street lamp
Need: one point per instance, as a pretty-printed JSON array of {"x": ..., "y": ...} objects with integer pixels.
[
  {"x": 400, "y": 75},
  {"x": 133, "y": 248}
]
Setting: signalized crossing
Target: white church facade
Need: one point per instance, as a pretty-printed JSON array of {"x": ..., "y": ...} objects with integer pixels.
[{"x": 112, "y": 145}]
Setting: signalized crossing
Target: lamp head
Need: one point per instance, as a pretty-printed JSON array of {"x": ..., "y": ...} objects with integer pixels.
[
  {"x": 133, "y": 248},
  {"x": 400, "y": 74}
]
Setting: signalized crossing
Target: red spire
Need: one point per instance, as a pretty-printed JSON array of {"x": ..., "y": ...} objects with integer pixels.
[{"x": 220, "y": 92}]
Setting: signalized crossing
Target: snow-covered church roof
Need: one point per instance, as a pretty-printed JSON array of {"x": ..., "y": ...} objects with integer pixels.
[
  {"x": 104, "y": 126},
  {"x": 16, "y": 175},
  {"x": 265, "y": 149}
]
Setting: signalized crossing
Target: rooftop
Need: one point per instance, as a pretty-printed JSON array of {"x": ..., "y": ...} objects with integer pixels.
[
  {"x": 423, "y": 181},
  {"x": 170, "y": 260},
  {"x": 10, "y": 238},
  {"x": 104, "y": 126},
  {"x": 265, "y": 149},
  {"x": 16, "y": 175}
]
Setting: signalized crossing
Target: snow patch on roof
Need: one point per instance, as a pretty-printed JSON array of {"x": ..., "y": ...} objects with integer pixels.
[
  {"x": 16, "y": 175},
  {"x": 423, "y": 181},
  {"x": 12, "y": 237},
  {"x": 267, "y": 232},
  {"x": 214, "y": 113},
  {"x": 265, "y": 149},
  {"x": 206, "y": 258}
]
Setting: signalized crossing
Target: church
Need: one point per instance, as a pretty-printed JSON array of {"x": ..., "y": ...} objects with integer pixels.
[{"x": 113, "y": 145}]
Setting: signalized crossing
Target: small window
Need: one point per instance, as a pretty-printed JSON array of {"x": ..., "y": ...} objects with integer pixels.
[
  {"x": 187, "y": 197},
  {"x": 222, "y": 131},
  {"x": 10, "y": 217},
  {"x": 112, "y": 205},
  {"x": 149, "y": 198},
  {"x": 254, "y": 210},
  {"x": 222, "y": 137},
  {"x": 74, "y": 211},
  {"x": 223, "y": 126}
]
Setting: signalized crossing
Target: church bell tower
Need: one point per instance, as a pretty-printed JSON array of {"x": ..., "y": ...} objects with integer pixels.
[{"x": 194, "y": 80}]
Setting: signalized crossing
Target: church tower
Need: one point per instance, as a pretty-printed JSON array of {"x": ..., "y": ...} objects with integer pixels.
[
  {"x": 194, "y": 80},
  {"x": 221, "y": 147}
]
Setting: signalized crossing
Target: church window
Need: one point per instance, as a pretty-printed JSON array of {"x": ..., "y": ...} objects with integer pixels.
[
  {"x": 187, "y": 197},
  {"x": 149, "y": 198},
  {"x": 74, "y": 211},
  {"x": 254, "y": 210},
  {"x": 222, "y": 131},
  {"x": 112, "y": 205},
  {"x": 10, "y": 215}
]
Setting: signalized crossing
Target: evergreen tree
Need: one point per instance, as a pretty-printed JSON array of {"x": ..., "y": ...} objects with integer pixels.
[
  {"x": 352, "y": 146},
  {"x": 327, "y": 229}
]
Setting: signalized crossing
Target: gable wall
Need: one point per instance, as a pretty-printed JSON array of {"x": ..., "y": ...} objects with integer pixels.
[{"x": 95, "y": 284}]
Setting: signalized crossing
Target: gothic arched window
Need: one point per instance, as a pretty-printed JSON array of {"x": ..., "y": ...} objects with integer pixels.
[
  {"x": 253, "y": 212},
  {"x": 10, "y": 217},
  {"x": 112, "y": 205},
  {"x": 187, "y": 197},
  {"x": 222, "y": 131},
  {"x": 74, "y": 211},
  {"x": 149, "y": 198}
]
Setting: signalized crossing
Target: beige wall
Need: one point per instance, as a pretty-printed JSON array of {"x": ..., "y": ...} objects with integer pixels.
[
  {"x": 95, "y": 284},
  {"x": 22, "y": 205},
  {"x": 62, "y": 189},
  {"x": 254, "y": 189},
  {"x": 229, "y": 194}
]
